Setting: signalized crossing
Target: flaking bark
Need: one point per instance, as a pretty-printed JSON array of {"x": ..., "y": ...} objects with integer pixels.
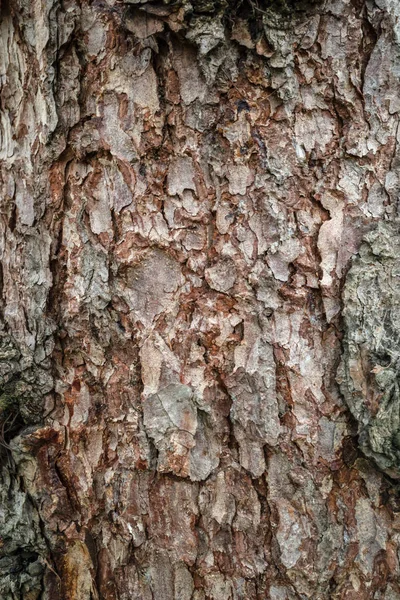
[{"x": 183, "y": 189}]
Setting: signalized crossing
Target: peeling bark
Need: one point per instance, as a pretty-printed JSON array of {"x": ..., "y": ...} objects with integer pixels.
[{"x": 184, "y": 187}]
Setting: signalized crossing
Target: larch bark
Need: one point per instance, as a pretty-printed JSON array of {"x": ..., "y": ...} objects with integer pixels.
[{"x": 196, "y": 401}]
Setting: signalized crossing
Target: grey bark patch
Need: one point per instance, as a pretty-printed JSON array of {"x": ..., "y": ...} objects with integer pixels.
[
  {"x": 369, "y": 374},
  {"x": 185, "y": 442},
  {"x": 171, "y": 408},
  {"x": 222, "y": 276},
  {"x": 150, "y": 286}
]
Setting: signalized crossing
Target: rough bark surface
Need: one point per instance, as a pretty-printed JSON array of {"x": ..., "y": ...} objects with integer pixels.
[
  {"x": 183, "y": 188},
  {"x": 370, "y": 368}
]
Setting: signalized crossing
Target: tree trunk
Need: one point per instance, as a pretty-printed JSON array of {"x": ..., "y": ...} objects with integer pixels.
[{"x": 197, "y": 402}]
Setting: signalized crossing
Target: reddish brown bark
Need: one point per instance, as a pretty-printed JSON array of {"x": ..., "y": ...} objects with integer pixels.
[{"x": 183, "y": 189}]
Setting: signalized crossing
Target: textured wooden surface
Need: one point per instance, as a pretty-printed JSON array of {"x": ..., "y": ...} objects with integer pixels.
[{"x": 182, "y": 190}]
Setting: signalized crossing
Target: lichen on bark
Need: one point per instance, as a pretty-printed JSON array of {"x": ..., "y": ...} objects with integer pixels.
[{"x": 370, "y": 368}]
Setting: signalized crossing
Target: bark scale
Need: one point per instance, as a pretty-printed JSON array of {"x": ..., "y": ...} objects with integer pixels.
[{"x": 183, "y": 187}]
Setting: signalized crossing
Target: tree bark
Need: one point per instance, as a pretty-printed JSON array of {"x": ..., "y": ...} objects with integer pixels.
[{"x": 191, "y": 407}]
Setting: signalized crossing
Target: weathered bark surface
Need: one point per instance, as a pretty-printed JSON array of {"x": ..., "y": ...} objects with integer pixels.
[
  {"x": 370, "y": 365},
  {"x": 183, "y": 187}
]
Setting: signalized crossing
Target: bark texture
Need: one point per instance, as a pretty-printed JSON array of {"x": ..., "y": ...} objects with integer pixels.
[
  {"x": 183, "y": 188},
  {"x": 370, "y": 366}
]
